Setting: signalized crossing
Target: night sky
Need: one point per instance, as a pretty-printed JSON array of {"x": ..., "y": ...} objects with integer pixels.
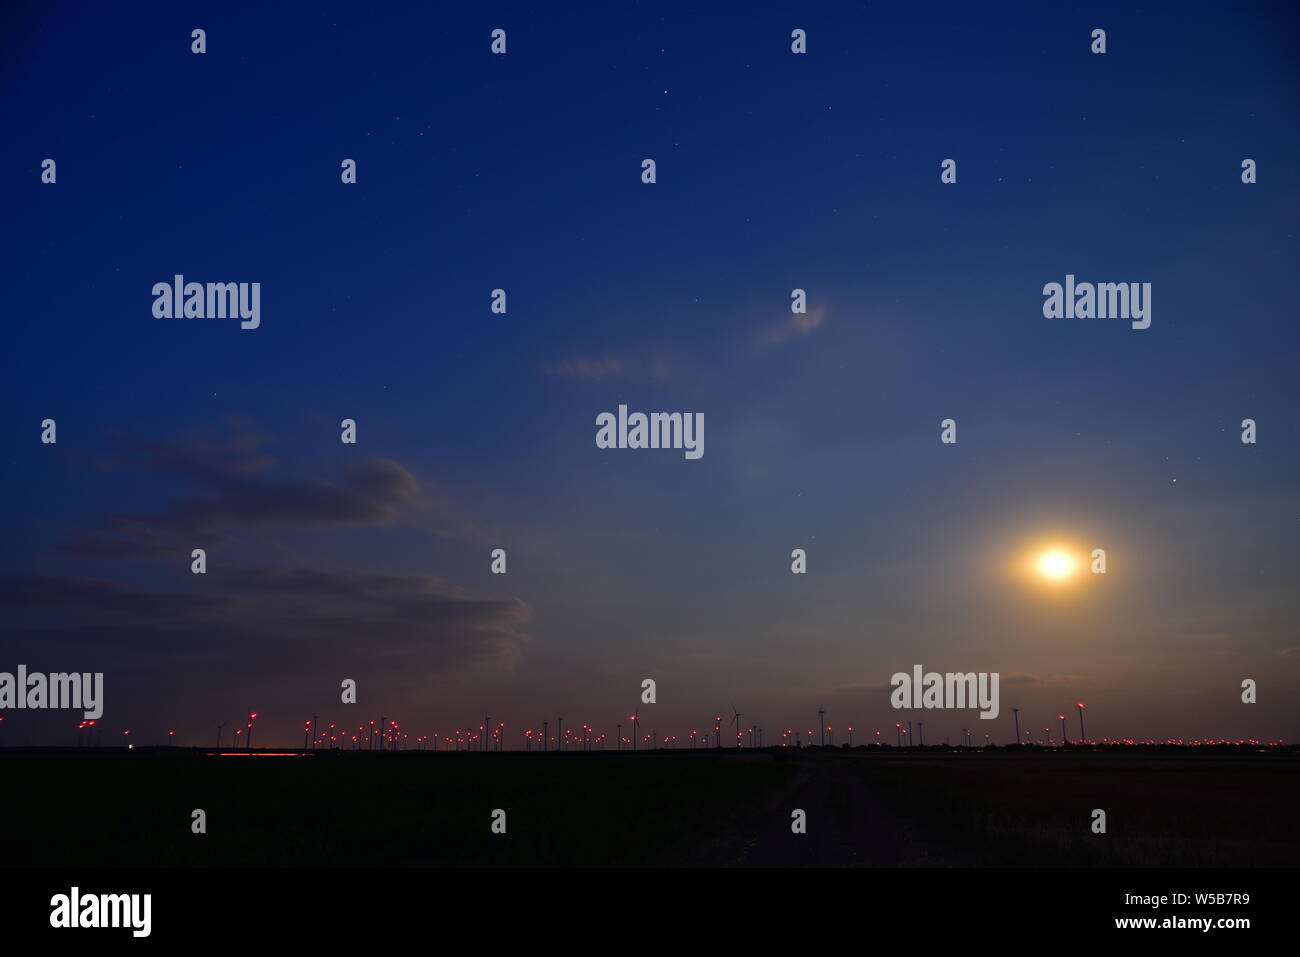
[{"x": 476, "y": 431}]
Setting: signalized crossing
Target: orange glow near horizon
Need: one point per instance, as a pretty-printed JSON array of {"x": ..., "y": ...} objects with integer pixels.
[{"x": 258, "y": 754}]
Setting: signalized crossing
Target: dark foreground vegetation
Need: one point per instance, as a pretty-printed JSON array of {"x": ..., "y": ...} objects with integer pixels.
[{"x": 867, "y": 807}]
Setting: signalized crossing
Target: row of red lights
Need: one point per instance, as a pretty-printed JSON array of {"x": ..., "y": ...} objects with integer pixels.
[{"x": 462, "y": 736}]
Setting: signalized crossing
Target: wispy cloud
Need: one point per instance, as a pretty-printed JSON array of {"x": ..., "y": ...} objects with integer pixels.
[
  {"x": 799, "y": 324},
  {"x": 589, "y": 370},
  {"x": 230, "y": 490},
  {"x": 280, "y": 613}
]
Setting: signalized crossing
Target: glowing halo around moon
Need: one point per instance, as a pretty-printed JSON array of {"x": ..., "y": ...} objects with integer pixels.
[{"x": 1050, "y": 565}]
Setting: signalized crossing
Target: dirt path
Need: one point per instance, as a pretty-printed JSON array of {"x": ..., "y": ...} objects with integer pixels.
[{"x": 846, "y": 826}]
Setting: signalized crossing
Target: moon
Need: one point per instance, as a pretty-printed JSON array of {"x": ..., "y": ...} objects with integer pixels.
[{"x": 1056, "y": 564}]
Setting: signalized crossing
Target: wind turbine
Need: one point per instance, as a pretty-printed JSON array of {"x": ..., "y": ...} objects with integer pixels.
[
  {"x": 821, "y": 722},
  {"x": 735, "y": 719},
  {"x": 632, "y": 717}
]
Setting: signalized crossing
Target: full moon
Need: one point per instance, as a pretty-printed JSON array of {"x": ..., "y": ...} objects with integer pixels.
[{"x": 1056, "y": 564}]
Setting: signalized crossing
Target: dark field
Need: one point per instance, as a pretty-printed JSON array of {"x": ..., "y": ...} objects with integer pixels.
[{"x": 1194, "y": 808}]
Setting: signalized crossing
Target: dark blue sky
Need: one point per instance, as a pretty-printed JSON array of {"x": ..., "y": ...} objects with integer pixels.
[{"x": 775, "y": 171}]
